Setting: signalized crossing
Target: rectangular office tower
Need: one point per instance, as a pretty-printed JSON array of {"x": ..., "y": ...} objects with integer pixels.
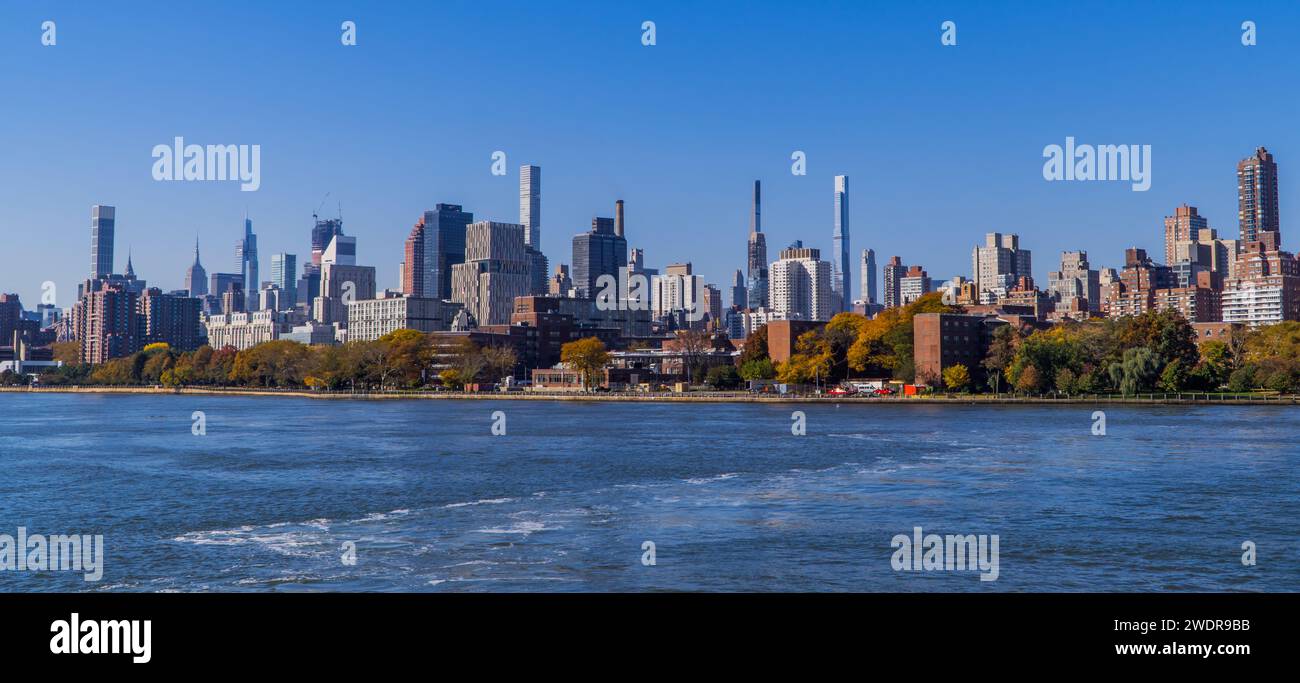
[
  {"x": 599, "y": 252},
  {"x": 840, "y": 282},
  {"x": 283, "y": 267},
  {"x": 869, "y": 296},
  {"x": 434, "y": 246},
  {"x": 102, "y": 222}
]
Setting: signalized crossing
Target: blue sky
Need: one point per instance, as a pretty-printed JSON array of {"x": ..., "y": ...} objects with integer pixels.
[{"x": 942, "y": 144}]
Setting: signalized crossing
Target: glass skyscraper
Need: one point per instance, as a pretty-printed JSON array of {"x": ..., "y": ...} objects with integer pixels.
[
  {"x": 283, "y": 267},
  {"x": 102, "y": 222},
  {"x": 246, "y": 253}
]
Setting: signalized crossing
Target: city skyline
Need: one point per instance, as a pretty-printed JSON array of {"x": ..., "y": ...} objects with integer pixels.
[{"x": 382, "y": 179}]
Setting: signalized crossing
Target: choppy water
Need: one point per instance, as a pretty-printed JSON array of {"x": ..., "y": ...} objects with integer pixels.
[{"x": 564, "y": 501}]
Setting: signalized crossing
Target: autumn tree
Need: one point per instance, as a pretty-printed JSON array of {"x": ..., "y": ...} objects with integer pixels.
[
  {"x": 956, "y": 377},
  {"x": 587, "y": 356}
]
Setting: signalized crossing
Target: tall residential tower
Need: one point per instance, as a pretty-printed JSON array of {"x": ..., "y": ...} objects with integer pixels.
[
  {"x": 841, "y": 271},
  {"x": 102, "y": 222},
  {"x": 756, "y": 259}
]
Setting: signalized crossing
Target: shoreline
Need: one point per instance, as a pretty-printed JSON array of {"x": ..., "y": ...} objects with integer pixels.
[{"x": 701, "y": 397}]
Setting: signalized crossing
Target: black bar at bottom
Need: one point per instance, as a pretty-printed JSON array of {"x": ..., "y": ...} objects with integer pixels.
[{"x": 336, "y": 632}]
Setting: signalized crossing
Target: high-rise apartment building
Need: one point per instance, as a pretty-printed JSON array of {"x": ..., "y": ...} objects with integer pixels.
[
  {"x": 495, "y": 271},
  {"x": 171, "y": 319},
  {"x": 103, "y": 222},
  {"x": 1184, "y": 226},
  {"x": 1076, "y": 287},
  {"x": 1257, "y": 209},
  {"x": 1144, "y": 285},
  {"x": 111, "y": 323},
  {"x": 530, "y": 205},
  {"x": 801, "y": 284},
  {"x": 893, "y": 274},
  {"x": 842, "y": 273},
  {"x": 998, "y": 264},
  {"x": 756, "y": 257},
  {"x": 1266, "y": 286},
  {"x": 678, "y": 294},
  {"x": 914, "y": 284}
]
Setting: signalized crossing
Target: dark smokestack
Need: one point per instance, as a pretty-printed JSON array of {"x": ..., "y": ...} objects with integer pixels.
[
  {"x": 756, "y": 220},
  {"x": 618, "y": 218}
]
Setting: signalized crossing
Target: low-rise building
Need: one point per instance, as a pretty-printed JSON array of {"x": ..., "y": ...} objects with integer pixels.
[{"x": 370, "y": 319}]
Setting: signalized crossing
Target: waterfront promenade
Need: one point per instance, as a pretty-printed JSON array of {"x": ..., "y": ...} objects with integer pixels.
[{"x": 1156, "y": 398}]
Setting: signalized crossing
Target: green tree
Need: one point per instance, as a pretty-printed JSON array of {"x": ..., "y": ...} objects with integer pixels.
[
  {"x": 1137, "y": 371},
  {"x": 1174, "y": 377},
  {"x": 758, "y": 369},
  {"x": 1002, "y": 351},
  {"x": 1242, "y": 379},
  {"x": 1066, "y": 381},
  {"x": 723, "y": 377}
]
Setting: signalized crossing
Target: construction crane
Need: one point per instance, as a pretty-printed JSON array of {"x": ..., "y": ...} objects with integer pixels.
[{"x": 316, "y": 214}]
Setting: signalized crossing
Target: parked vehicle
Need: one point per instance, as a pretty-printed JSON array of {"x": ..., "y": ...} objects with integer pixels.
[{"x": 883, "y": 391}]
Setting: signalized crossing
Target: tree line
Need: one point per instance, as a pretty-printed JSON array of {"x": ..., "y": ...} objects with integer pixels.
[{"x": 1154, "y": 351}]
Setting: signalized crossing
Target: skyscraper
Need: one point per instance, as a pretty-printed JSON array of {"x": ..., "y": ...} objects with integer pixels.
[
  {"x": 102, "y": 222},
  {"x": 196, "y": 278},
  {"x": 321, "y": 234},
  {"x": 801, "y": 284},
  {"x": 413, "y": 268},
  {"x": 894, "y": 272},
  {"x": 1257, "y": 198},
  {"x": 841, "y": 273},
  {"x": 530, "y": 205},
  {"x": 444, "y": 247},
  {"x": 997, "y": 265},
  {"x": 495, "y": 271},
  {"x": 283, "y": 267},
  {"x": 869, "y": 278},
  {"x": 342, "y": 281},
  {"x": 246, "y": 253},
  {"x": 596, "y": 253},
  {"x": 756, "y": 259},
  {"x": 739, "y": 297}
]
